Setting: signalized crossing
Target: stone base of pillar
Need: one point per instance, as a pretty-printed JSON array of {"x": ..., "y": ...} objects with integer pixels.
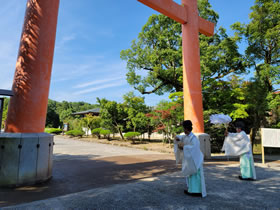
[
  {"x": 205, "y": 145},
  {"x": 25, "y": 158}
]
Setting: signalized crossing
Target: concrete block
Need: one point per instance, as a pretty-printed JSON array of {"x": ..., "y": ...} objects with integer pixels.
[
  {"x": 25, "y": 158},
  {"x": 9, "y": 158},
  {"x": 28, "y": 160},
  {"x": 44, "y": 157},
  {"x": 205, "y": 145}
]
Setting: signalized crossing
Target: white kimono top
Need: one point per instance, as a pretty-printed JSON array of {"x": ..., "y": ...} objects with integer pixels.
[
  {"x": 191, "y": 157},
  {"x": 236, "y": 144}
]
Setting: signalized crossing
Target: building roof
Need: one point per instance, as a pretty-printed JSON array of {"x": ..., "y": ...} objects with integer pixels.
[
  {"x": 6, "y": 92},
  {"x": 90, "y": 111}
]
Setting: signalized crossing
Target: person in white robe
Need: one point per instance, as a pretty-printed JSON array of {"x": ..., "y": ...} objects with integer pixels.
[
  {"x": 238, "y": 144},
  {"x": 187, "y": 152}
]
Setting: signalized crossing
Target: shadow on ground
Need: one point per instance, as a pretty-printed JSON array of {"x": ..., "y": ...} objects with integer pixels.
[
  {"x": 145, "y": 182},
  {"x": 76, "y": 173},
  {"x": 225, "y": 191}
]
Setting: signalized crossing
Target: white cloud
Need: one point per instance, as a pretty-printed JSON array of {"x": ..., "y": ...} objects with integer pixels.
[
  {"x": 115, "y": 84},
  {"x": 61, "y": 43},
  {"x": 86, "y": 69},
  {"x": 95, "y": 82}
]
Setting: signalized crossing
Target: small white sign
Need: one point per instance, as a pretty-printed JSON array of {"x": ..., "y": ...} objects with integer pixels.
[{"x": 270, "y": 137}]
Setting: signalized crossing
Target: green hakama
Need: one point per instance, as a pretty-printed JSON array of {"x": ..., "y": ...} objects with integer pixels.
[
  {"x": 247, "y": 168},
  {"x": 238, "y": 144},
  {"x": 194, "y": 183},
  {"x": 191, "y": 159}
]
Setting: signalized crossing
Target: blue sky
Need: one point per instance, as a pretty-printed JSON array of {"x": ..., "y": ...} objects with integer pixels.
[{"x": 90, "y": 36}]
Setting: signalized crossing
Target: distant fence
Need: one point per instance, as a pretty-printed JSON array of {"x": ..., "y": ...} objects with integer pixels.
[
  {"x": 270, "y": 138},
  {"x": 146, "y": 135}
]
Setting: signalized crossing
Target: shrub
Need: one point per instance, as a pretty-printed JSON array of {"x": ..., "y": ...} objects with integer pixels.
[
  {"x": 96, "y": 132},
  {"x": 47, "y": 130},
  {"x": 53, "y": 130},
  {"x": 276, "y": 126},
  {"x": 131, "y": 135},
  {"x": 106, "y": 133},
  {"x": 75, "y": 133}
]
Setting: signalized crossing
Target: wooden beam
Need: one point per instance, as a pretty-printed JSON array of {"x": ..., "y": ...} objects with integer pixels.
[
  {"x": 168, "y": 8},
  {"x": 206, "y": 27}
]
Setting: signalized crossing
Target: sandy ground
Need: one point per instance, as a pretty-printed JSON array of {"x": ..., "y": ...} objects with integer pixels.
[{"x": 89, "y": 175}]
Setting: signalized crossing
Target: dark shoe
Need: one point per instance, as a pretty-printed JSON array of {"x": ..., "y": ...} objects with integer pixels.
[
  {"x": 186, "y": 192},
  {"x": 192, "y": 194},
  {"x": 246, "y": 179}
]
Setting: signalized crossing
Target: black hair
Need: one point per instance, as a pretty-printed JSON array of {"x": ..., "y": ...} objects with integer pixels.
[
  {"x": 240, "y": 125},
  {"x": 187, "y": 125}
]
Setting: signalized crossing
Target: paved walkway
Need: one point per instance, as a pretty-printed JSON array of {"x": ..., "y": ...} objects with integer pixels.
[{"x": 138, "y": 179}]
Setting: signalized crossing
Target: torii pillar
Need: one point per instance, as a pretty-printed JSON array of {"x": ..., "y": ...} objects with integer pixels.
[
  {"x": 28, "y": 106},
  {"x": 192, "y": 24},
  {"x": 26, "y": 152}
]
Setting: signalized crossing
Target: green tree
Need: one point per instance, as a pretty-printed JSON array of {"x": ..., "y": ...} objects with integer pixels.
[
  {"x": 95, "y": 123},
  {"x": 66, "y": 115},
  {"x": 59, "y": 112},
  {"x": 158, "y": 53},
  {"x": 262, "y": 36},
  {"x": 226, "y": 97},
  {"x": 52, "y": 119},
  {"x": 136, "y": 109},
  {"x": 113, "y": 115},
  {"x": 167, "y": 117},
  {"x": 75, "y": 124},
  {"x": 87, "y": 122},
  {"x": 5, "y": 111},
  {"x": 274, "y": 106}
]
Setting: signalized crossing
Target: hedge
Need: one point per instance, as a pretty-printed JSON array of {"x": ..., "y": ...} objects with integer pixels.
[
  {"x": 53, "y": 130},
  {"x": 96, "y": 132},
  {"x": 106, "y": 133},
  {"x": 75, "y": 133},
  {"x": 131, "y": 135}
]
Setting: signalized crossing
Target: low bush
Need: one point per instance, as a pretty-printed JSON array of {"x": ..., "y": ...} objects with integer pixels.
[
  {"x": 131, "y": 135},
  {"x": 75, "y": 133},
  {"x": 53, "y": 130},
  {"x": 106, "y": 133},
  {"x": 96, "y": 132}
]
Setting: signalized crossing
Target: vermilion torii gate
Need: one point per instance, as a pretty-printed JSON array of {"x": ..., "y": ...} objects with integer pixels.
[
  {"x": 26, "y": 152},
  {"x": 28, "y": 107},
  {"x": 187, "y": 15}
]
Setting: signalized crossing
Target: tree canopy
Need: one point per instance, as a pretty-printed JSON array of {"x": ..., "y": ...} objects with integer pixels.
[{"x": 154, "y": 61}]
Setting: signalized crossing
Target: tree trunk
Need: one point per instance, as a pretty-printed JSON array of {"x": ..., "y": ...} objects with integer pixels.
[
  {"x": 253, "y": 133},
  {"x": 120, "y": 132}
]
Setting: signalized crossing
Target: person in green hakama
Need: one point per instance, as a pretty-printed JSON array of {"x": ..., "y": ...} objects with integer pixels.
[
  {"x": 187, "y": 151},
  {"x": 238, "y": 144}
]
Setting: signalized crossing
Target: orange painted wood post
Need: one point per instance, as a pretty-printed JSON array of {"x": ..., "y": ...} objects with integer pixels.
[
  {"x": 28, "y": 106},
  {"x": 192, "y": 24},
  {"x": 193, "y": 108}
]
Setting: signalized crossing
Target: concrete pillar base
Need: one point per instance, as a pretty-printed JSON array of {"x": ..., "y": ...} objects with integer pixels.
[
  {"x": 25, "y": 158},
  {"x": 205, "y": 145}
]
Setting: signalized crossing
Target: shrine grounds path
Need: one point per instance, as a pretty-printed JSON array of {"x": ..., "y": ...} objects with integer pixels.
[{"x": 88, "y": 175}]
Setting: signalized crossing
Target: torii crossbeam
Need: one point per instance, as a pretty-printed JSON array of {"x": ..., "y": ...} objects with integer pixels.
[{"x": 192, "y": 24}]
